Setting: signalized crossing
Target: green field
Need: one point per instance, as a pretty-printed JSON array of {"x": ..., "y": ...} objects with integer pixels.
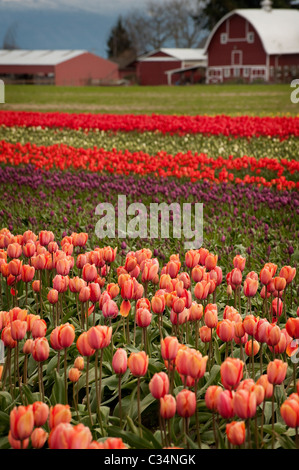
[{"x": 197, "y": 99}]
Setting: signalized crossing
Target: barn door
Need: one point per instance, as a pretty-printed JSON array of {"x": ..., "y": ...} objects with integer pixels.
[{"x": 236, "y": 57}]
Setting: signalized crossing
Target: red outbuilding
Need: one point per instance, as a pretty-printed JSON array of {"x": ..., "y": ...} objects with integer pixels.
[
  {"x": 255, "y": 44},
  {"x": 170, "y": 66},
  {"x": 58, "y": 67}
]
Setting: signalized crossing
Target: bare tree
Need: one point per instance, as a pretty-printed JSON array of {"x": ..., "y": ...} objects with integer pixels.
[
  {"x": 184, "y": 22},
  {"x": 175, "y": 23}
]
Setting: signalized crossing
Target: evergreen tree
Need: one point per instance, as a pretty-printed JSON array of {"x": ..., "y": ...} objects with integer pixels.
[{"x": 118, "y": 41}]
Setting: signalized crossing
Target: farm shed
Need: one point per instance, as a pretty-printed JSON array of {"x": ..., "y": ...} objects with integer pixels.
[
  {"x": 257, "y": 44},
  {"x": 57, "y": 67},
  {"x": 168, "y": 66}
]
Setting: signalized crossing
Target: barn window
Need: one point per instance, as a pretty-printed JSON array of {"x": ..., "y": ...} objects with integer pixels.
[
  {"x": 250, "y": 37},
  {"x": 246, "y": 72},
  {"x": 227, "y": 72},
  {"x": 236, "y": 72},
  {"x": 223, "y": 38}
]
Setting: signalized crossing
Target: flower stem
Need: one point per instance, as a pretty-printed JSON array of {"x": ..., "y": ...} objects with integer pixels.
[{"x": 87, "y": 391}]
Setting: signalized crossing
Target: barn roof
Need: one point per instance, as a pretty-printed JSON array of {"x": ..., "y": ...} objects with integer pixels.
[
  {"x": 175, "y": 53},
  {"x": 37, "y": 57},
  {"x": 278, "y": 28}
]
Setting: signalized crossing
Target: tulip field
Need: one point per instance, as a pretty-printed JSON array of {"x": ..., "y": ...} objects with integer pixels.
[{"x": 137, "y": 342}]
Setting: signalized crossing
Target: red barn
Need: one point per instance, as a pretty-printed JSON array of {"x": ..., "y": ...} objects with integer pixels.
[
  {"x": 58, "y": 67},
  {"x": 167, "y": 66},
  {"x": 258, "y": 44}
]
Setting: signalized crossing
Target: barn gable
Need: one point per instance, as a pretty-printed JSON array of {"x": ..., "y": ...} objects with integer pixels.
[{"x": 254, "y": 44}]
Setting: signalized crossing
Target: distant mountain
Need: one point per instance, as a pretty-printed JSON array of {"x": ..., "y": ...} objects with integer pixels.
[{"x": 34, "y": 28}]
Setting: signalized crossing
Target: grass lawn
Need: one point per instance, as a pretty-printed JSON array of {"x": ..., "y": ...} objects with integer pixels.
[{"x": 198, "y": 99}]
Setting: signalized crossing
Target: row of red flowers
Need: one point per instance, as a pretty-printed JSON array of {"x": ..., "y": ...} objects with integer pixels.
[
  {"x": 182, "y": 165},
  {"x": 239, "y": 126}
]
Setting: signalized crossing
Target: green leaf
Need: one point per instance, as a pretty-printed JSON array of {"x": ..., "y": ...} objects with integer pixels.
[
  {"x": 31, "y": 397},
  {"x": 58, "y": 392},
  {"x": 134, "y": 441},
  {"x": 7, "y": 398}
]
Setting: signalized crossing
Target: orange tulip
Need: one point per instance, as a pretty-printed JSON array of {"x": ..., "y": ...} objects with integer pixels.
[
  {"x": 80, "y": 239},
  {"x": 167, "y": 406},
  {"x": 244, "y": 403},
  {"x": 292, "y": 327},
  {"x": 225, "y": 404},
  {"x": 158, "y": 304},
  {"x": 63, "y": 267},
  {"x": 211, "y": 316},
  {"x": 198, "y": 273},
  {"x": 27, "y": 273},
  {"x": 196, "y": 312},
  {"x": 60, "y": 283},
  {"x": 289, "y": 410},
  {"x": 248, "y": 348},
  {"x": 36, "y": 286},
  {"x": 99, "y": 337},
  {"x": 279, "y": 283},
  {"x": 250, "y": 287},
  {"x": 7, "y": 339},
  {"x": 18, "y": 329},
  {"x": 231, "y": 371},
  {"x": 143, "y": 317},
  {"x": 159, "y": 385},
  {"x": 83, "y": 345},
  {"x": 52, "y": 296},
  {"x": 38, "y": 328},
  {"x": 205, "y": 334},
  {"x": 109, "y": 443},
  {"x": 192, "y": 258},
  {"x": 211, "y": 261},
  {"x": 235, "y": 432},
  {"x": 288, "y": 273},
  {"x": 138, "y": 363},
  {"x": 236, "y": 276},
  {"x": 45, "y": 237},
  {"x": 273, "y": 335},
  {"x": 74, "y": 374},
  {"x": 79, "y": 362},
  {"x": 40, "y": 349},
  {"x": 109, "y": 254},
  {"x": 15, "y": 267},
  {"x": 14, "y": 250},
  {"x": 239, "y": 262},
  {"x": 15, "y": 444},
  {"x": 225, "y": 330},
  {"x": 21, "y": 422},
  {"x": 59, "y": 414},
  {"x": 196, "y": 364},
  {"x": 66, "y": 335},
  {"x": 169, "y": 348},
  {"x": 276, "y": 371},
  {"x": 250, "y": 324},
  {"x": 211, "y": 396},
  {"x": 265, "y": 276},
  {"x": 38, "y": 438},
  {"x": 186, "y": 403},
  {"x": 40, "y": 413},
  {"x": 120, "y": 361}
]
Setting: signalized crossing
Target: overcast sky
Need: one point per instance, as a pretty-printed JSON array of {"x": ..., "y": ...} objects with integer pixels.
[{"x": 96, "y": 6}]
